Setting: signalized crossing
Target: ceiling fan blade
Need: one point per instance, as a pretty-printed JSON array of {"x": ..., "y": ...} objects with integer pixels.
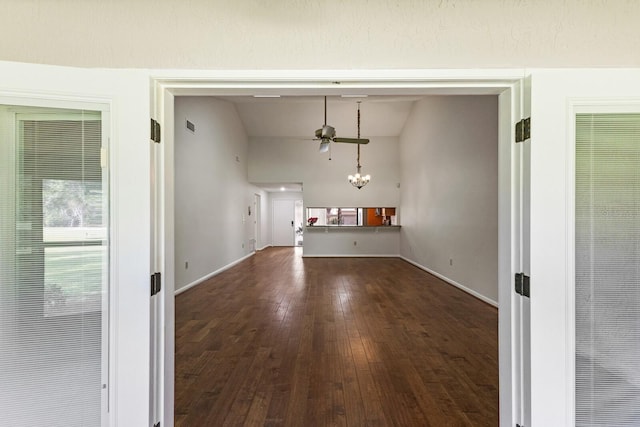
[
  {"x": 324, "y": 145},
  {"x": 352, "y": 140}
]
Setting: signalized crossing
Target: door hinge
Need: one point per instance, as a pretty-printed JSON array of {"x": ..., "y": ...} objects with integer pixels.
[
  {"x": 522, "y": 285},
  {"x": 155, "y": 131},
  {"x": 156, "y": 283},
  {"x": 523, "y": 130}
]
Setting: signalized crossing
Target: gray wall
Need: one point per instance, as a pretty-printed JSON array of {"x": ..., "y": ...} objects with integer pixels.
[
  {"x": 449, "y": 194},
  {"x": 212, "y": 194},
  {"x": 325, "y": 185},
  {"x": 325, "y": 181}
]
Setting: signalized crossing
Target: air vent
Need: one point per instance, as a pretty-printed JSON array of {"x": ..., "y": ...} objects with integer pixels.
[{"x": 191, "y": 127}]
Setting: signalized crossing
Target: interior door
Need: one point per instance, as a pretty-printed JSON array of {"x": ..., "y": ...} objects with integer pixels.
[
  {"x": 62, "y": 282},
  {"x": 283, "y": 220},
  {"x": 55, "y": 266},
  {"x": 558, "y": 261}
]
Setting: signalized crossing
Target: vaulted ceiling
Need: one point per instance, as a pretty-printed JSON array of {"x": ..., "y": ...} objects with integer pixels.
[{"x": 300, "y": 116}]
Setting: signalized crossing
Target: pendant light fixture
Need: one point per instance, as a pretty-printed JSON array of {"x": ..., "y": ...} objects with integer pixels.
[{"x": 358, "y": 180}]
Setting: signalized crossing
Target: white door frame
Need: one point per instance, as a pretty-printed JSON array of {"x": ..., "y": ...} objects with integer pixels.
[
  {"x": 505, "y": 83},
  {"x": 257, "y": 229}
]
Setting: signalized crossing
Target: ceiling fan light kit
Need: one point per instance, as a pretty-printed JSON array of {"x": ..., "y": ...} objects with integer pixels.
[{"x": 327, "y": 134}]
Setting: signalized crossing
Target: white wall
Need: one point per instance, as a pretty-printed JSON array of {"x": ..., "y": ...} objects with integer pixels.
[
  {"x": 325, "y": 185},
  {"x": 295, "y": 34},
  {"x": 337, "y": 241},
  {"x": 325, "y": 181},
  {"x": 212, "y": 194},
  {"x": 449, "y": 202},
  {"x": 286, "y": 195}
]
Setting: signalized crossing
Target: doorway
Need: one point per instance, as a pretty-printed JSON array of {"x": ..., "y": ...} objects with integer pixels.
[{"x": 508, "y": 90}]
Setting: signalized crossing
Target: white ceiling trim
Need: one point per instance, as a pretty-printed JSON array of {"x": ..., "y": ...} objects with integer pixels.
[{"x": 299, "y": 111}]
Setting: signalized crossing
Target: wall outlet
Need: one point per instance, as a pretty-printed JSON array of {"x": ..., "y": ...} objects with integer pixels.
[
  {"x": 243, "y": 246},
  {"x": 450, "y": 261},
  {"x": 355, "y": 243},
  {"x": 186, "y": 265}
]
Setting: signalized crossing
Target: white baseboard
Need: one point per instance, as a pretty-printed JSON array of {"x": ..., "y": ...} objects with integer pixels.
[
  {"x": 210, "y": 275},
  {"x": 263, "y": 248},
  {"x": 453, "y": 282},
  {"x": 420, "y": 266},
  {"x": 350, "y": 256}
]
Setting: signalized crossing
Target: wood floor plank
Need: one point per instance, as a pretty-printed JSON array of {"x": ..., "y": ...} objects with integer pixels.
[{"x": 281, "y": 340}]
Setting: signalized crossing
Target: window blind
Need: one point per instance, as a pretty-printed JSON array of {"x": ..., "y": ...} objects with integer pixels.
[
  {"x": 607, "y": 295},
  {"x": 53, "y": 268}
]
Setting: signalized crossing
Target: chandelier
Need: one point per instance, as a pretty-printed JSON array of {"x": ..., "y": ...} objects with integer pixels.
[{"x": 358, "y": 180}]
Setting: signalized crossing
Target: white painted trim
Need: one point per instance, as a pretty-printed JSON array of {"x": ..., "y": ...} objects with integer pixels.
[
  {"x": 508, "y": 252},
  {"x": 570, "y": 324},
  {"x": 452, "y": 282},
  {"x": 215, "y": 273},
  {"x": 263, "y": 248},
  {"x": 172, "y": 82},
  {"x": 374, "y": 82},
  {"x": 164, "y": 108},
  {"x": 180, "y": 78}
]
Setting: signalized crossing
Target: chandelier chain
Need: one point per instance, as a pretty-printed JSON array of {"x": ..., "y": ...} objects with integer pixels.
[
  {"x": 359, "y": 135},
  {"x": 358, "y": 180}
]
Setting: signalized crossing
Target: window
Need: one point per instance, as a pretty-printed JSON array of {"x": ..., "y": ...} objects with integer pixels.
[
  {"x": 73, "y": 233},
  {"x": 353, "y": 217},
  {"x": 53, "y": 267}
]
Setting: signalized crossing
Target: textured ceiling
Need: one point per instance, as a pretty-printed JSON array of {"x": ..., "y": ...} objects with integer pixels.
[
  {"x": 300, "y": 116},
  {"x": 322, "y": 34}
]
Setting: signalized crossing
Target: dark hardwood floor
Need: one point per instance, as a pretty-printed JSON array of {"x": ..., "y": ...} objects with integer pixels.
[{"x": 279, "y": 340}]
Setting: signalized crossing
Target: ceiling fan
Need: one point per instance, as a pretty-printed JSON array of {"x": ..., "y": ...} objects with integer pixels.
[{"x": 327, "y": 133}]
